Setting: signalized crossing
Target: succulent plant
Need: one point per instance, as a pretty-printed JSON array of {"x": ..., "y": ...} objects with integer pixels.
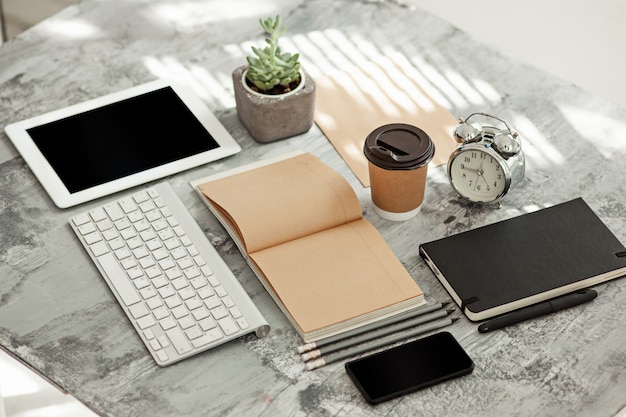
[{"x": 271, "y": 67}]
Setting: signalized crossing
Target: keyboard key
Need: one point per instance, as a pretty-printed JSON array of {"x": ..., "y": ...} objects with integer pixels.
[
  {"x": 153, "y": 244},
  {"x": 141, "y": 282},
  {"x": 154, "y": 302},
  {"x": 118, "y": 279},
  {"x": 179, "y": 283},
  {"x": 193, "y": 332},
  {"x": 160, "y": 313},
  {"x": 140, "y": 197},
  {"x": 138, "y": 310},
  {"x": 179, "y": 341},
  {"x": 207, "y": 324},
  {"x": 198, "y": 282},
  {"x": 243, "y": 323},
  {"x": 179, "y": 312},
  {"x": 122, "y": 224},
  {"x": 155, "y": 345},
  {"x": 228, "y": 325},
  {"x": 234, "y": 311},
  {"x": 163, "y": 341},
  {"x": 109, "y": 234},
  {"x": 147, "y": 292},
  {"x": 220, "y": 291},
  {"x": 135, "y": 216},
  {"x": 128, "y": 263},
  {"x": 166, "y": 264},
  {"x": 153, "y": 272},
  {"x": 186, "y": 322},
  {"x": 141, "y": 225},
  {"x": 219, "y": 313},
  {"x": 212, "y": 302},
  {"x": 228, "y": 302},
  {"x": 97, "y": 214},
  {"x": 172, "y": 243},
  {"x": 145, "y": 322},
  {"x": 173, "y": 301},
  {"x": 186, "y": 293},
  {"x": 193, "y": 252},
  {"x": 146, "y": 262},
  {"x": 81, "y": 219},
  {"x": 209, "y": 337},
  {"x": 116, "y": 244},
  {"x": 86, "y": 228},
  {"x": 114, "y": 211},
  {"x": 200, "y": 313},
  {"x": 147, "y": 206},
  {"x": 205, "y": 292},
  {"x": 193, "y": 303},
  {"x": 162, "y": 356},
  {"x": 173, "y": 273},
  {"x": 148, "y": 235},
  {"x": 128, "y": 233},
  {"x": 92, "y": 238},
  {"x": 191, "y": 272},
  {"x": 159, "y": 225},
  {"x": 153, "y": 215},
  {"x": 104, "y": 225},
  {"x": 166, "y": 292},
  {"x": 160, "y": 254},
  {"x": 160, "y": 281},
  {"x": 134, "y": 243},
  {"x": 122, "y": 253},
  {"x": 167, "y": 323},
  {"x": 127, "y": 205}
]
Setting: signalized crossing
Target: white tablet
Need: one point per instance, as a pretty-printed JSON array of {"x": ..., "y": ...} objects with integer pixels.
[{"x": 118, "y": 141}]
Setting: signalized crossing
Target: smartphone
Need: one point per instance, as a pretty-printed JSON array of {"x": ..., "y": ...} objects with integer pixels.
[{"x": 409, "y": 367}]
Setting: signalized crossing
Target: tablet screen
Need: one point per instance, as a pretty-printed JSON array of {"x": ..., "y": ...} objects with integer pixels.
[{"x": 121, "y": 139}]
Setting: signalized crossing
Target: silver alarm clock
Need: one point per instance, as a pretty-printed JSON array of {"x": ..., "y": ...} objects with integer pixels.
[{"x": 488, "y": 161}]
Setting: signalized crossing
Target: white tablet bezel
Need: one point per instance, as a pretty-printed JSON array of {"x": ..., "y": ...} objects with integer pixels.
[{"x": 53, "y": 185}]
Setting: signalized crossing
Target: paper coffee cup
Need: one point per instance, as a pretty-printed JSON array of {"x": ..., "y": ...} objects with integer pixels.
[{"x": 398, "y": 155}]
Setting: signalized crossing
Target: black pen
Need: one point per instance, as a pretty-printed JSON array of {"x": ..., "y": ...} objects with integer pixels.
[{"x": 540, "y": 309}]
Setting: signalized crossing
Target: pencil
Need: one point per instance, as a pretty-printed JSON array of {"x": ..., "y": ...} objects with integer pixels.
[
  {"x": 338, "y": 356},
  {"x": 372, "y": 326},
  {"x": 375, "y": 334}
]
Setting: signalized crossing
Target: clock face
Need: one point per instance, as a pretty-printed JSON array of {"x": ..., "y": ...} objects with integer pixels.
[{"x": 478, "y": 176}]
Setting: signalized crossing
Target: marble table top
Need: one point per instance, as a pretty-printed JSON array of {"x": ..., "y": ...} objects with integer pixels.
[{"x": 58, "y": 316}]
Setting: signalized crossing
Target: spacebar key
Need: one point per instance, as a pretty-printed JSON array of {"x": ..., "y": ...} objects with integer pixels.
[{"x": 118, "y": 279}]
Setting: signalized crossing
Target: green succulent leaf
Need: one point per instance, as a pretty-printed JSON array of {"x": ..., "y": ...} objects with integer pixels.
[{"x": 272, "y": 67}]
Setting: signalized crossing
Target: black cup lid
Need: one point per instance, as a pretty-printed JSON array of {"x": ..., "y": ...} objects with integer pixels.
[{"x": 399, "y": 146}]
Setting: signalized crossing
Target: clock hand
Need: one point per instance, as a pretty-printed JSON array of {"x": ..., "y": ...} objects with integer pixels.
[{"x": 470, "y": 169}]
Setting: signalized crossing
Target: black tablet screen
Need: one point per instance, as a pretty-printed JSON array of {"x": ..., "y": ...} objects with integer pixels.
[{"x": 121, "y": 139}]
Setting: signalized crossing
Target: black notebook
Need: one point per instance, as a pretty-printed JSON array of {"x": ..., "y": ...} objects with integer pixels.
[{"x": 517, "y": 262}]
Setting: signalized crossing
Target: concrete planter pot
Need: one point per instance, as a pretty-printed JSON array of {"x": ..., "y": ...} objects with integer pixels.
[{"x": 273, "y": 117}]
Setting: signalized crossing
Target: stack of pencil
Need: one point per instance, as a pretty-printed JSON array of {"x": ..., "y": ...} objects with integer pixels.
[{"x": 374, "y": 336}]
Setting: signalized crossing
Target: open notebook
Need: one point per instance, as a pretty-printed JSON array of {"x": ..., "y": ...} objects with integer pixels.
[{"x": 299, "y": 225}]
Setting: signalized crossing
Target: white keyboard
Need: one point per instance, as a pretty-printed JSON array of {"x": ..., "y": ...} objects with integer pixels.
[{"x": 175, "y": 288}]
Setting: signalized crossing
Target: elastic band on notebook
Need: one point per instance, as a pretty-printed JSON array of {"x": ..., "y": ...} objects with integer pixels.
[{"x": 467, "y": 301}]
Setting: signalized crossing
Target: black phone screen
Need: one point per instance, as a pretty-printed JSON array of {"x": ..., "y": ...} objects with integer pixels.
[{"x": 409, "y": 367}]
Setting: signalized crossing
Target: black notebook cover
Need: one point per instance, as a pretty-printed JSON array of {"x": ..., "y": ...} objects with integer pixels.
[{"x": 517, "y": 262}]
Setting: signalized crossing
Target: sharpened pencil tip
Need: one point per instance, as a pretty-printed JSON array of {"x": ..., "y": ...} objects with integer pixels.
[
  {"x": 450, "y": 311},
  {"x": 455, "y": 319},
  {"x": 445, "y": 303}
]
